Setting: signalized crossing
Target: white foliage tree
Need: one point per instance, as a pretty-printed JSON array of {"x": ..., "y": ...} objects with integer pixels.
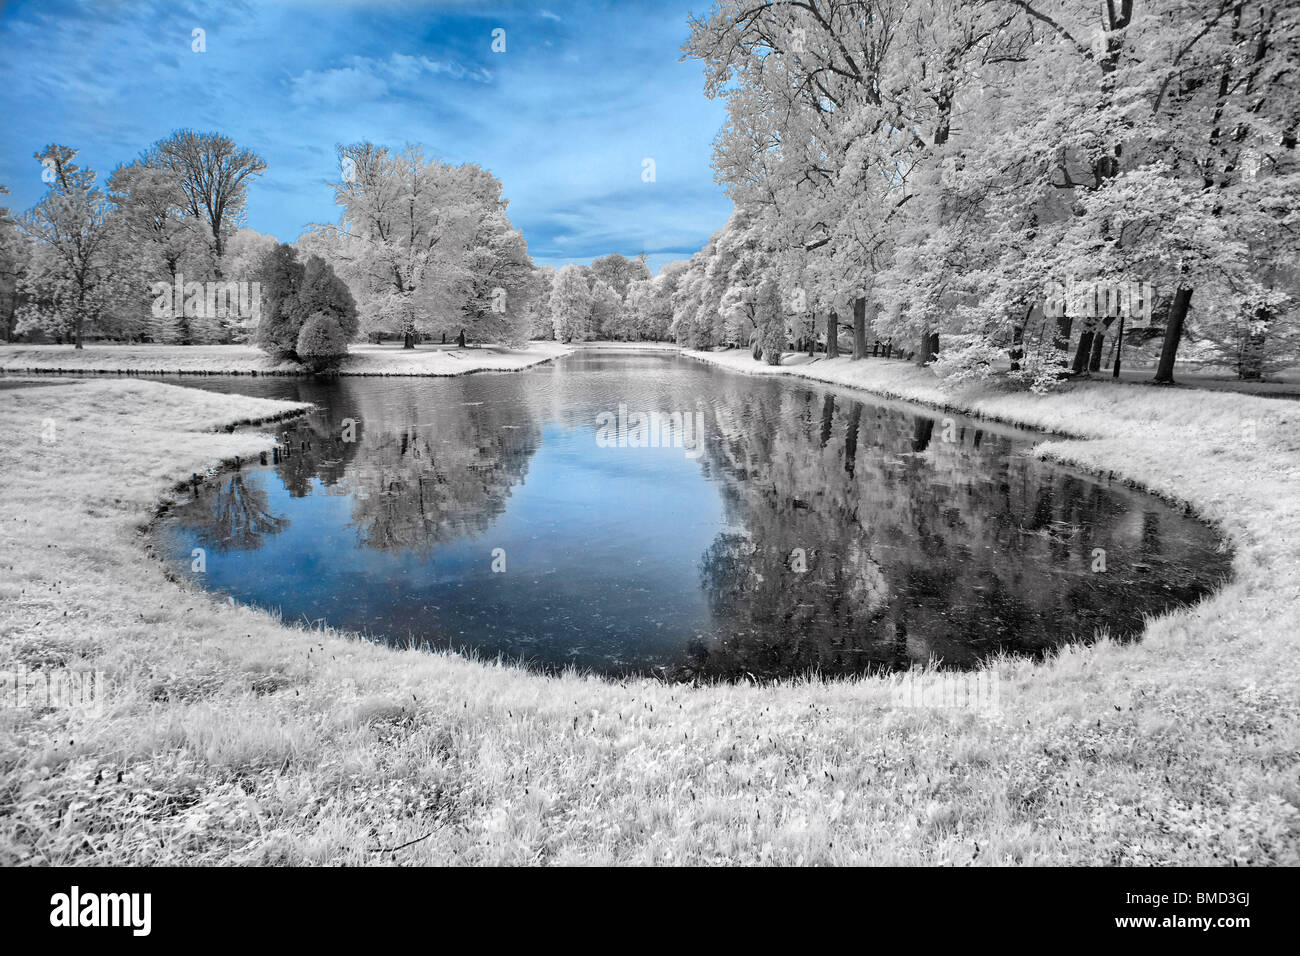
[{"x": 570, "y": 305}]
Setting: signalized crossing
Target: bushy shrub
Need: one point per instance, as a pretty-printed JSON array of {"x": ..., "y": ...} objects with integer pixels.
[
  {"x": 321, "y": 343},
  {"x": 281, "y": 276},
  {"x": 323, "y": 291},
  {"x": 295, "y": 296}
]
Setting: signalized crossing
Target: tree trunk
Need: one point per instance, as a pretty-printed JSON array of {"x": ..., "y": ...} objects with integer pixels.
[
  {"x": 828, "y": 417},
  {"x": 859, "y": 329},
  {"x": 1251, "y": 365},
  {"x": 851, "y": 437},
  {"x": 1061, "y": 341},
  {"x": 922, "y": 431},
  {"x": 1173, "y": 336},
  {"x": 460, "y": 340},
  {"x": 1098, "y": 344},
  {"x": 833, "y": 336},
  {"x": 1119, "y": 348},
  {"x": 1017, "y": 345},
  {"x": 11, "y": 321},
  {"x": 408, "y": 340},
  {"x": 929, "y": 347},
  {"x": 1083, "y": 352}
]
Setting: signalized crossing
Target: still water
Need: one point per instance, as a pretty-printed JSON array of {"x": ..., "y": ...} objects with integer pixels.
[{"x": 788, "y": 529}]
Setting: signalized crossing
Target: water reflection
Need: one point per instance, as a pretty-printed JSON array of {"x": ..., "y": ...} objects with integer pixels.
[
  {"x": 233, "y": 516},
  {"x": 815, "y": 533}
]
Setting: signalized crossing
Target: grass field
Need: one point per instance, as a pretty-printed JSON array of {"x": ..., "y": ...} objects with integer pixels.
[{"x": 230, "y": 738}]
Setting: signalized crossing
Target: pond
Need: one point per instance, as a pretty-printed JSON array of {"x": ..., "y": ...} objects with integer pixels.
[{"x": 643, "y": 513}]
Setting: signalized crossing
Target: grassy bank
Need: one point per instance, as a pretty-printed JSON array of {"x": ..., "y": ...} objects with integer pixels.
[
  {"x": 388, "y": 359},
  {"x": 229, "y": 738}
]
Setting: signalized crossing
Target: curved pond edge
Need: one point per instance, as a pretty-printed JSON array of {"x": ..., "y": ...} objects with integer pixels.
[
  {"x": 222, "y": 466},
  {"x": 1178, "y": 749},
  {"x": 1047, "y": 449},
  {"x": 946, "y": 402}
]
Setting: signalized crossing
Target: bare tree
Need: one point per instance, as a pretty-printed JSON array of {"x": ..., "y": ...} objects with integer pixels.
[{"x": 214, "y": 175}]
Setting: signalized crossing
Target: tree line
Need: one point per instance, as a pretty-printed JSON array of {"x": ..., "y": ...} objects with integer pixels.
[
  {"x": 421, "y": 249},
  {"x": 91, "y": 261},
  {"x": 922, "y": 173}
]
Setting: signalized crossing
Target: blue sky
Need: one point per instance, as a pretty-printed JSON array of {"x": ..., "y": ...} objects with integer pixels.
[{"x": 583, "y": 93}]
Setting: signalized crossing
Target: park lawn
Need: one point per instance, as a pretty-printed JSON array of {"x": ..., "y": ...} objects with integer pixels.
[
  {"x": 229, "y": 737},
  {"x": 386, "y": 359}
]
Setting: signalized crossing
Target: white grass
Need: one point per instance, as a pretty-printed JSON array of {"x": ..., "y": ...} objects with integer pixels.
[
  {"x": 237, "y": 740},
  {"x": 387, "y": 359}
]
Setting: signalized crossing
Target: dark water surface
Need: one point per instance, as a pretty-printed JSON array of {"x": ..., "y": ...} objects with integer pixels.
[{"x": 809, "y": 530}]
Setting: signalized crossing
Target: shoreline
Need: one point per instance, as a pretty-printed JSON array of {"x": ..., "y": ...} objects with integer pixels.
[
  {"x": 130, "y": 361},
  {"x": 899, "y": 381}
]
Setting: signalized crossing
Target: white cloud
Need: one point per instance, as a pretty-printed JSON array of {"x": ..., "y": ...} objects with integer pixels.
[{"x": 365, "y": 79}]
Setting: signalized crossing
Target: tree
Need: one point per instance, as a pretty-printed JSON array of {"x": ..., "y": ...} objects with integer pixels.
[
  {"x": 606, "y": 307},
  {"x": 939, "y": 166},
  {"x": 321, "y": 343},
  {"x": 570, "y": 305},
  {"x": 408, "y": 228},
  {"x": 697, "y": 322},
  {"x": 246, "y": 250},
  {"x": 744, "y": 258},
  {"x": 68, "y": 287},
  {"x": 620, "y": 272},
  {"x": 213, "y": 174},
  {"x": 322, "y": 292},
  {"x": 501, "y": 286},
  {"x": 14, "y": 257},
  {"x": 281, "y": 277},
  {"x": 153, "y": 240},
  {"x": 540, "y": 323},
  {"x": 832, "y": 107},
  {"x": 305, "y": 305},
  {"x": 770, "y": 321},
  {"x": 630, "y": 322},
  {"x": 659, "y": 317},
  {"x": 244, "y": 254},
  {"x": 151, "y": 207},
  {"x": 1223, "y": 99}
]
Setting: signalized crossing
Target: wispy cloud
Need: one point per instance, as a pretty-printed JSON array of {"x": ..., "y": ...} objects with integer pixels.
[{"x": 364, "y": 78}]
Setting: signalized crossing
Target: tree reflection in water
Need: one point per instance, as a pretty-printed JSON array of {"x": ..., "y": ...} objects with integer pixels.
[
  {"x": 231, "y": 516},
  {"x": 926, "y": 539},
  {"x": 817, "y": 533}
]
